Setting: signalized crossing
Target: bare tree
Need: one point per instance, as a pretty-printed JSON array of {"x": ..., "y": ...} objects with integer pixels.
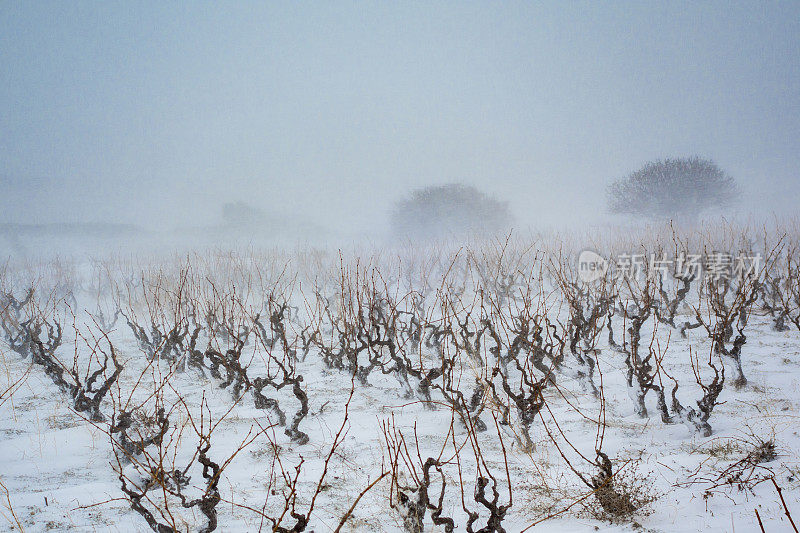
[
  {"x": 447, "y": 210},
  {"x": 672, "y": 187}
]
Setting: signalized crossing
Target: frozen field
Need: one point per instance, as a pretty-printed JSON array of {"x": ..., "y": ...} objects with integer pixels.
[{"x": 488, "y": 387}]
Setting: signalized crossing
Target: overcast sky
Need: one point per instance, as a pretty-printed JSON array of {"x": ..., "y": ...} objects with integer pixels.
[{"x": 158, "y": 113}]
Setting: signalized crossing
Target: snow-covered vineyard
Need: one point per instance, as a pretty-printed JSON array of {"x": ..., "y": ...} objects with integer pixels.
[{"x": 501, "y": 385}]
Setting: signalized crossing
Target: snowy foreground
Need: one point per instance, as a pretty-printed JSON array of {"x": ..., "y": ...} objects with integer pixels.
[{"x": 399, "y": 391}]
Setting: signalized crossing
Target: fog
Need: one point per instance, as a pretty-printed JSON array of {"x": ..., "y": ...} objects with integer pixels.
[{"x": 320, "y": 117}]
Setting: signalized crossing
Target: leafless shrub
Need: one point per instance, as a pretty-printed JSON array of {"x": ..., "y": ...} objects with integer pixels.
[
  {"x": 773, "y": 300},
  {"x": 286, "y": 373},
  {"x": 288, "y": 516},
  {"x": 521, "y": 346},
  {"x": 728, "y": 306},
  {"x": 153, "y": 480},
  {"x": 12, "y": 311},
  {"x": 588, "y": 305},
  {"x": 698, "y": 419},
  {"x": 279, "y": 369},
  {"x": 642, "y": 369},
  {"x": 40, "y": 337},
  {"x": 674, "y": 290},
  {"x": 485, "y": 478},
  {"x": 787, "y": 292},
  {"x": 167, "y": 318},
  {"x": 744, "y": 474},
  {"x": 411, "y": 481},
  {"x": 624, "y": 492},
  {"x": 161, "y": 342}
]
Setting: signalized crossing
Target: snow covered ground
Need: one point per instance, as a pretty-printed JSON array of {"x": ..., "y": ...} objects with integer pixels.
[{"x": 379, "y": 419}]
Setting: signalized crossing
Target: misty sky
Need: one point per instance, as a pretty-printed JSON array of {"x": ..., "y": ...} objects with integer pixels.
[{"x": 158, "y": 114}]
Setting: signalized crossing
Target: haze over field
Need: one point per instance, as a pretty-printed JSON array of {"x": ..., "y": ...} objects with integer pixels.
[
  {"x": 324, "y": 115},
  {"x": 408, "y": 267}
]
